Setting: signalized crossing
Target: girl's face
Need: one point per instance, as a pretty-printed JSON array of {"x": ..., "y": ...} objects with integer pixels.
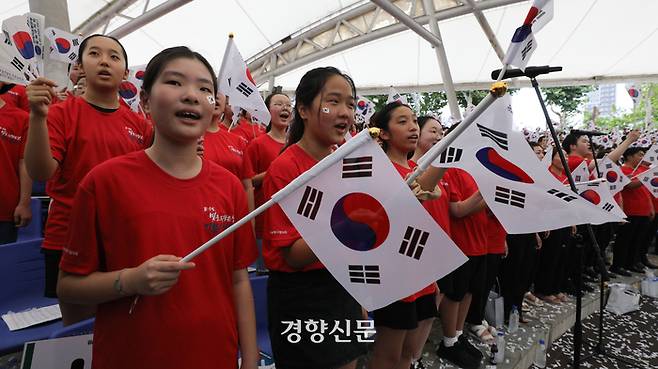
[
  {"x": 431, "y": 133},
  {"x": 281, "y": 111},
  {"x": 402, "y": 133},
  {"x": 181, "y": 102},
  {"x": 330, "y": 113},
  {"x": 539, "y": 152},
  {"x": 103, "y": 63},
  {"x": 556, "y": 162}
]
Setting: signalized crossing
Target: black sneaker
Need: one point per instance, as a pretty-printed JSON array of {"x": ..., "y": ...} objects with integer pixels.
[
  {"x": 472, "y": 350},
  {"x": 458, "y": 355}
]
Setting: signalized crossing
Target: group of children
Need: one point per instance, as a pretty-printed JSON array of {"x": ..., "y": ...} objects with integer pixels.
[{"x": 131, "y": 194}]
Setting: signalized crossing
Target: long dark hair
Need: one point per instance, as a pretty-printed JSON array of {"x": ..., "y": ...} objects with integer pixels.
[
  {"x": 268, "y": 101},
  {"x": 160, "y": 61},
  {"x": 382, "y": 118},
  {"x": 309, "y": 87}
]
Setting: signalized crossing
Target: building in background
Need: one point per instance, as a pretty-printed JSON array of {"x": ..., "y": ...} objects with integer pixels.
[{"x": 603, "y": 98}]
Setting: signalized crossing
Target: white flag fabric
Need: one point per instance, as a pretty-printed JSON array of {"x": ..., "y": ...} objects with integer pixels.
[
  {"x": 581, "y": 172},
  {"x": 523, "y": 45},
  {"x": 364, "y": 110},
  {"x": 130, "y": 88},
  {"x": 235, "y": 81},
  {"x": 649, "y": 179},
  {"x": 612, "y": 173},
  {"x": 523, "y": 195},
  {"x": 548, "y": 157},
  {"x": 64, "y": 46},
  {"x": 599, "y": 194},
  {"x": 651, "y": 155},
  {"x": 393, "y": 96},
  {"x": 25, "y": 32},
  {"x": 634, "y": 92},
  {"x": 541, "y": 12},
  {"x": 14, "y": 67},
  {"x": 365, "y": 225}
]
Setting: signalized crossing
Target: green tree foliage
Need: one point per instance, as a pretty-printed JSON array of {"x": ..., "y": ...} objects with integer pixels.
[
  {"x": 632, "y": 119},
  {"x": 565, "y": 101}
]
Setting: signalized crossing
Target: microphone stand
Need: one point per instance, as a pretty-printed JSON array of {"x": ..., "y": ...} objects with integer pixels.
[
  {"x": 532, "y": 73},
  {"x": 600, "y": 349}
]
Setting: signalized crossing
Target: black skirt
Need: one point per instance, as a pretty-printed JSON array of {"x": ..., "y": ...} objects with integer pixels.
[{"x": 296, "y": 300}]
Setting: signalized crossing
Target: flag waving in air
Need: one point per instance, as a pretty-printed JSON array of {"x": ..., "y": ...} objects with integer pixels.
[
  {"x": 512, "y": 182},
  {"x": 25, "y": 33},
  {"x": 64, "y": 46},
  {"x": 612, "y": 173},
  {"x": 394, "y": 95},
  {"x": 235, "y": 81},
  {"x": 364, "y": 110},
  {"x": 523, "y": 41},
  {"x": 599, "y": 194},
  {"x": 129, "y": 89},
  {"x": 649, "y": 179},
  {"x": 363, "y": 222},
  {"x": 581, "y": 172}
]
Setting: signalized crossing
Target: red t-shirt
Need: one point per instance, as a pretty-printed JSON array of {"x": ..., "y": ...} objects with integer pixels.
[
  {"x": 82, "y": 137},
  {"x": 248, "y": 131},
  {"x": 260, "y": 153},
  {"x": 637, "y": 201},
  {"x": 496, "y": 235},
  {"x": 227, "y": 150},
  {"x": 278, "y": 231},
  {"x": 13, "y": 134},
  {"x": 432, "y": 287},
  {"x": 128, "y": 210},
  {"x": 17, "y": 97},
  {"x": 469, "y": 232}
]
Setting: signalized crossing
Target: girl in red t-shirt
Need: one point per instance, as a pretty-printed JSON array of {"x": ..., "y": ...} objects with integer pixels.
[
  {"x": 403, "y": 326},
  {"x": 262, "y": 151},
  {"x": 164, "y": 201},
  {"x": 300, "y": 289},
  {"x": 66, "y": 140}
]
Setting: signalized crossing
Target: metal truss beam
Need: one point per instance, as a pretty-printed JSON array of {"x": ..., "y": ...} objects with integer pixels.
[
  {"x": 103, "y": 16},
  {"x": 332, "y": 36}
]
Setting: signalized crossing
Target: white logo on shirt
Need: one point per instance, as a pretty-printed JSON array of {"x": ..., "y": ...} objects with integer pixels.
[
  {"x": 5, "y": 134},
  {"x": 218, "y": 222},
  {"x": 234, "y": 150},
  {"x": 134, "y": 135}
]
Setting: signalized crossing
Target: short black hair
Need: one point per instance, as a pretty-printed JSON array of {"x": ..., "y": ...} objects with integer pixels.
[
  {"x": 570, "y": 139},
  {"x": 632, "y": 151},
  {"x": 83, "y": 46}
]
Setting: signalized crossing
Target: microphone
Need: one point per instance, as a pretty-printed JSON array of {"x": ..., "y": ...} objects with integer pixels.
[
  {"x": 580, "y": 132},
  {"x": 529, "y": 72}
]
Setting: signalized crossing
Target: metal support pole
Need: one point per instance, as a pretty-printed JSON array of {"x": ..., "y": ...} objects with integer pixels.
[
  {"x": 434, "y": 40},
  {"x": 148, "y": 17},
  {"x": 270, "y": 86},
  {"x": 486, "y": 28}
]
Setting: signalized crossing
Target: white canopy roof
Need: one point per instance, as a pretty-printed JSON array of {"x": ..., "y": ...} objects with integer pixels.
[{"x": 594, "y": 40}]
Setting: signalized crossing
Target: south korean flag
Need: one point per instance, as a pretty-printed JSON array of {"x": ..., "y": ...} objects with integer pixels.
[
  {"x": 130, "y": 88},
  {"x": 613, "y": 175},
  {"x": 64, "y": 46},
  {"x": 365, "y": 225},
  {"x": 649, "y": 179},
  {"x": 599, "y": 194}
]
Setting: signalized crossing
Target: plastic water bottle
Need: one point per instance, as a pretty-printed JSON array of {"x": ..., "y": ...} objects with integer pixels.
[
  {"x": 494, "y": 352},
  {"x": 513, "y": 319},
  {"x": 540, "y": 357},
  {"x": 500, "y": 344}
]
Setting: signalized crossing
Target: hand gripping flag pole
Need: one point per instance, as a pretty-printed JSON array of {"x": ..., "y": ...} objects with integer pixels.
[
  {"x": 497, "y": 89},
  {"x": 351, "y": 145}
]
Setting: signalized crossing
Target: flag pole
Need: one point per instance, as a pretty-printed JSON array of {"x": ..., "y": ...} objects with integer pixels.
[
  {"x": 351, "y": 145},
  {"x": 498, "y": 89},
  {"x": 226, "y": 51}
]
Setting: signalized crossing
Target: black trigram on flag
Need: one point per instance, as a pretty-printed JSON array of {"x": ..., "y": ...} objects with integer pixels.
[
  {"x": 244, "y": 89},
  {"x": 17, "y": 64},
  {"x": 578, "y": 178},
  {"x": 72, "y": 56},
  {"x": 310, "y": 203},
  {"x": 75, "y": 42},
  {"x": 357, "y": 167},
  {"x": 499, "y": 138},
  {"x": 367, "y": 274},
  {"x": 608, "y": 165},
  {"x": 608, "y": 207},
  {"x": 413, "y": 243},
  {"x": 510, "y": 197},
  {"x": 612, "y": 187},
  {"x": 451, "y": 155},
  {"x": 7, "y": 39},
  {"x": 526, "y": 50},
  {"x": 562, "y": 195}
]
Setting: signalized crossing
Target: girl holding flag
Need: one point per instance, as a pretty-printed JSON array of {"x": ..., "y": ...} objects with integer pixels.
[
  {"x": 66, "y": 140},
  {"x": 404, "y": 326},
  {"x": 134, "y": 213},
  {"x": 300, "y": 287}
]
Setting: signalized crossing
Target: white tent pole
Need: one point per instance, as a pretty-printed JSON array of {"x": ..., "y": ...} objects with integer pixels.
[
  {"x": 434, "y": 39},
  {"x": 486, "y": 28},
  {"x": 272, "y": 67},
  {"x": 148, "y": 17}
]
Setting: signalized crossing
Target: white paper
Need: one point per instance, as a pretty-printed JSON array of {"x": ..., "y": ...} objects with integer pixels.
[
  {"x": 16, "y": 321},
  {"x": 67, "y": 352}
]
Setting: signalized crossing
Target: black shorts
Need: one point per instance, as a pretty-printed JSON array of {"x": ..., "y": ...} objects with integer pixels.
[
  {"x": 51, "y": 258},
  {"x": 316, "y": 296},
  {"x": 406, "y": 315},
  {"x": 464, "y": 279}
]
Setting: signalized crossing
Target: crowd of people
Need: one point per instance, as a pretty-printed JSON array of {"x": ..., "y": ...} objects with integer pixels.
[{"x": 132, "y": 193}]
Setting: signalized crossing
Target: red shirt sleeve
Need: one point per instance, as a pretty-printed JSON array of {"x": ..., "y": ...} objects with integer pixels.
[
  {"x": 80, "y": 255},
  {"x": 244, "y": 241}
]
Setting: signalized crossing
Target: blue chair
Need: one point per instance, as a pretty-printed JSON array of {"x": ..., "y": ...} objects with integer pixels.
[
  {"x": 259, "y": 289},
  {"x": 77, "y": 329},
  {"x": 33, "y": 230},
  {"x": 22, "y": 276}
]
